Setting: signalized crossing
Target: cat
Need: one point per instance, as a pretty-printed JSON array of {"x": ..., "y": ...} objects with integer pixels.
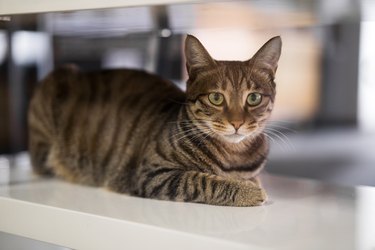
[{"x": 135, "y": 133}]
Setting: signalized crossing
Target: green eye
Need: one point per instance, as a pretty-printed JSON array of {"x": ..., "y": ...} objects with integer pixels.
[
  {"x": 216, "y": 98},
  {"x": 254, "y": 99}
]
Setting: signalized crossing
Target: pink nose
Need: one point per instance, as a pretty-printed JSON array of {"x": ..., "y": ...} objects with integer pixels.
[{"x": 236, "y": 124}]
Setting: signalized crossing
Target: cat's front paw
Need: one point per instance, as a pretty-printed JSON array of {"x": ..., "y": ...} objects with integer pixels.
[{"x": 250, "y": 195}]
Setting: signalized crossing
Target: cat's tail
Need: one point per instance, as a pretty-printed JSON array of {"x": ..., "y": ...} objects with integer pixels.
[
  {"x": 39, "y": 133},
  {"x": 39, "y": 143},
  {"x": 43, "y": 116},
  {"x": 40, "y": 125}
]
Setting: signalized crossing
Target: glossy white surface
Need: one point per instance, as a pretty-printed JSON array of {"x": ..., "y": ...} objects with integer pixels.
[{"x": 301, "y": 214}]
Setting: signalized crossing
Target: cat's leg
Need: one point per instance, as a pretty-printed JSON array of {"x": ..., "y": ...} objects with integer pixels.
[
  {"x": 257, "y": 181},
  {"x": 194, "y": 186}
]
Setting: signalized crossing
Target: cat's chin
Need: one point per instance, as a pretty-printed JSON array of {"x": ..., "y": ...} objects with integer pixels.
[{"x": 234, "y": 138}]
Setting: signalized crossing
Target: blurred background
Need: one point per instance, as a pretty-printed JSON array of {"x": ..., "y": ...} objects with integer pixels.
[{"x": 323, "y": 126}]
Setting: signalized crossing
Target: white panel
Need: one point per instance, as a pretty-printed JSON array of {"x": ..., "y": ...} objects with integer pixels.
[
  {"x": 8, "y": 7},
  {"x": 300, "y": 214}
]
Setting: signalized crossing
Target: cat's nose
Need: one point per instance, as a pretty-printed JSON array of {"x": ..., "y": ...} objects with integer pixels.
[{"x": 236, "y": 124}]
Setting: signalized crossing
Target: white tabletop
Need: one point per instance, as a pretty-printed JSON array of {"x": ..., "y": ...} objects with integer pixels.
[{"x": 301, "y": 214}]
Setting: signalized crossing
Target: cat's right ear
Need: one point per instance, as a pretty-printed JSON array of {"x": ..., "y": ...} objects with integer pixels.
[
  {"x": 268, "y": 55},
  {"x": 197, "y": 57}
]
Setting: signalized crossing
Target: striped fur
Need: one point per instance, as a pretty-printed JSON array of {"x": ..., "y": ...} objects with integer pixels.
[{"x": 136, "y": 133}]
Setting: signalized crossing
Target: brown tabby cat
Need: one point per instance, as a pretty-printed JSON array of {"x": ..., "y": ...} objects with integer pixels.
[{"x": 136, "y": 133}]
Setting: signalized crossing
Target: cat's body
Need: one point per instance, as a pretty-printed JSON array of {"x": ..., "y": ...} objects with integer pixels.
[{"x": 136, "y": 133}]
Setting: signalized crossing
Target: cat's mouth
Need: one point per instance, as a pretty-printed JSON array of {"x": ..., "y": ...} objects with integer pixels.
[{"x": 234, "y": 138}]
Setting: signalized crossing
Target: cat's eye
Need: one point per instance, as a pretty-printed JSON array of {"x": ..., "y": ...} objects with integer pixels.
[
  {"x": 216, "y": 98},
  {"x": 254, "y": 99}
]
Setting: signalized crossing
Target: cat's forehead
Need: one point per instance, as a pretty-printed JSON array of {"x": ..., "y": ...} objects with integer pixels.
[{"x": 239, "y": 77}]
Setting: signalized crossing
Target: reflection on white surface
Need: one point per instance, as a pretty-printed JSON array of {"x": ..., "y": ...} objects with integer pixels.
[
  {"x": 365, "y": 221},
  {"x": 15, "y": 169},
  {"x": 301, "y": 214},
  {"x": 13, "y": 242},
  {"x": 4, "y": 170}
]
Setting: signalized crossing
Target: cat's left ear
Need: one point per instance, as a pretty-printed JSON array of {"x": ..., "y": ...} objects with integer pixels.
[{"x": 268, "y": 55}]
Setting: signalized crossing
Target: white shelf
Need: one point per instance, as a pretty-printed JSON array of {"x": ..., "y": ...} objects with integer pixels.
[
  {"x": 301, "y": 214},
  {"x": 9, "y": 7}
]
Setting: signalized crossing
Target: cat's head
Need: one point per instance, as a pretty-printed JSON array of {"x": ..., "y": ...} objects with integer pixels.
[{"x": 231, "y": 99}]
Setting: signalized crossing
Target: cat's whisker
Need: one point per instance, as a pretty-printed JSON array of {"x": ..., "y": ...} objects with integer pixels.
[
  {"x": 281, "y": 121},
  {"x": 193, "y": 137},
  {"x": 282, "y": 124},
  {"x": 281, "y": 139},
  {"x": 198, "y": 138},
  {"x": 205, "y": 137},
  {"x": 276, "y": 126},
  {"x": 284, "y": 129},
  {"x": 183, "y": 135},
  {"x": 289, "y": 142},
  {"x": 192, "y": 129},
  {"x": 189, "y": 121},
  {"x": 193, "y": 132},
  {"x": 269, "y": 137},
  {"x": 273, "y": 140}
]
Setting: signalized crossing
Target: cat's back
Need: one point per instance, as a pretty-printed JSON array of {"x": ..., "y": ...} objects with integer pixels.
[
  {"x": 70, "y": 97},
  {"x": 69, "y": 82},
  {"x": 69, "y": 88},
  {"x": 102, "y": 118}
]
